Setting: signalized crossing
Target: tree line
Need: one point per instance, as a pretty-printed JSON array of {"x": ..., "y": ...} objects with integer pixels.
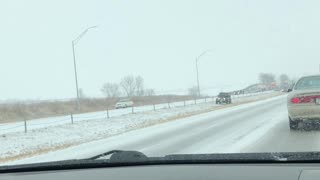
[
  {"x": 129, "y": 86},
  {"x": 282, "y": 82},
  {"x": 267, "y": 79}
]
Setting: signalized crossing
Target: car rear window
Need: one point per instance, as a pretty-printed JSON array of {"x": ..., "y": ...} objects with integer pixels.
[{"x": 308, "y": 83}]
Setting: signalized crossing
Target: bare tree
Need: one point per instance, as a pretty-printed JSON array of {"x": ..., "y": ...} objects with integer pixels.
[
  {"x": 128, "y": 85},
  {"x": 266, "y": 78},
  {"x": 110, "y": 90},
  {"x": 139, "y": 86},
  {"x": 193, "y": 91},
  {"x": 149, "y": 92}
]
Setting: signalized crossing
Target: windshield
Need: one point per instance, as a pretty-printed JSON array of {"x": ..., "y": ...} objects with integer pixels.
[{"x": 80, "y": 78}]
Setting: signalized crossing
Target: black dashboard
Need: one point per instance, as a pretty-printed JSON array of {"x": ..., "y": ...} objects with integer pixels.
[{"x": 198, "y": 171}]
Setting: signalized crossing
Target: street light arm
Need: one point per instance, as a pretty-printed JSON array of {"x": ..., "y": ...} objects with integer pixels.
[
  {"x": 197, "y": 59},
  {"x": 75, "y": 41},
  {"x": 203, "y": 53}
]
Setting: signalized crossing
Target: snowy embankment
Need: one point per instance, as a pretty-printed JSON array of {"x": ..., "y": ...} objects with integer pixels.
[{"x": 17, "y": 144}]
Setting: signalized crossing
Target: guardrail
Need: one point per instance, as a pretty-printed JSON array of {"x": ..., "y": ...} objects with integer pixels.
[{"x": 29, "y": 125}]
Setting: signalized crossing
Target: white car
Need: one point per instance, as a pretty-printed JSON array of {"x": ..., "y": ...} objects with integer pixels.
[
  {"x": 124, "y": 103},
  {"x": 304, "y": 102}
]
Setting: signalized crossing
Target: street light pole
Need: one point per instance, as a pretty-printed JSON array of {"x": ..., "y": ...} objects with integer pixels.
[
  {"x": 198, "y": 77},
  {"x": 76, "y": 76},
  {"x": 74, "y": 43},
  {"x": 197, "y": 60}
]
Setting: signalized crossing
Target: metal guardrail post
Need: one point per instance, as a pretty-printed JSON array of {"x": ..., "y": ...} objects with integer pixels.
[
  {"x": 154, "y": 107},
  {"x": 108, "y": 113},
  {"x": 25, "y": 126},
  {"x": 71, "y": 118}
]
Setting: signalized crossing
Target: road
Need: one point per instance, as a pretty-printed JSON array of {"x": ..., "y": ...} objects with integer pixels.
[{"x": 255, "y": 127}]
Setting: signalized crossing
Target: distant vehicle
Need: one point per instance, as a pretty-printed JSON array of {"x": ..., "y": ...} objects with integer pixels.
[
  {"x": 304, "y": 102},
  {"x": 223, "y": 98},
  {"x": 124, "y": 103}
]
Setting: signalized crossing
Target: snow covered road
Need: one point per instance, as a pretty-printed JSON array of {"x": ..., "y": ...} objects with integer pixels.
[{"x": 254, "y": 127}]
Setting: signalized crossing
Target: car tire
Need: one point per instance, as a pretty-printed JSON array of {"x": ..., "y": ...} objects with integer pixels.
[{"x": 293, "y": 124}]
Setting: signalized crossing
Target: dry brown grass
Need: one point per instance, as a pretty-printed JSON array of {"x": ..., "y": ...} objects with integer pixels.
[{"x": 19, "y": 111}]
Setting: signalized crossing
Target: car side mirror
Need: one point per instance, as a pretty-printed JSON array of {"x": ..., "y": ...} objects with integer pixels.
[{"x": 289, "y": 90}]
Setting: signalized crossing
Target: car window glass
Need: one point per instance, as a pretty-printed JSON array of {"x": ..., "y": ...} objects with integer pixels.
[{"x": 308, "y": 82}]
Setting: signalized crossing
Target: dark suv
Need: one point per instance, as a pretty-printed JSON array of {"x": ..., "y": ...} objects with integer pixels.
[{"x": 223, "y": 98}]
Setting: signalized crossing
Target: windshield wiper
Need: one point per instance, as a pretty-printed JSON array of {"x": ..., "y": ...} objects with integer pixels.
[
  {"x": 118, "y": 158},
  {"x": 134, "y": 158},
  {"x": 121, "y": 156},
  {"x": 104, "y": 154}
]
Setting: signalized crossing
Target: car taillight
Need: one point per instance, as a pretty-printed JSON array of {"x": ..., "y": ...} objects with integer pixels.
[
  {"x": 295, "y": 100},
  {"x": 304, "y": 99}
]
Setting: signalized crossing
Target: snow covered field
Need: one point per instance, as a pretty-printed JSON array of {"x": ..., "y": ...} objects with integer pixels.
[{"x": 48, "y": 135}]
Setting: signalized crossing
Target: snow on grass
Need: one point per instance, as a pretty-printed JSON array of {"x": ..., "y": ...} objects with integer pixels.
[{"x": 36, "y": 141}]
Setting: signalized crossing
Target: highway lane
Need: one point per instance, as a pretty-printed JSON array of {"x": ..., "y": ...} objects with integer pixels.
[
  {"x": 229, "y": 131},
  {"x": 282, "y": 139},
  {"x": 255, "y": 127}
]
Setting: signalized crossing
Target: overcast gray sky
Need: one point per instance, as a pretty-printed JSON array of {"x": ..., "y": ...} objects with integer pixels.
[{"x": 158, "y": 40}]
